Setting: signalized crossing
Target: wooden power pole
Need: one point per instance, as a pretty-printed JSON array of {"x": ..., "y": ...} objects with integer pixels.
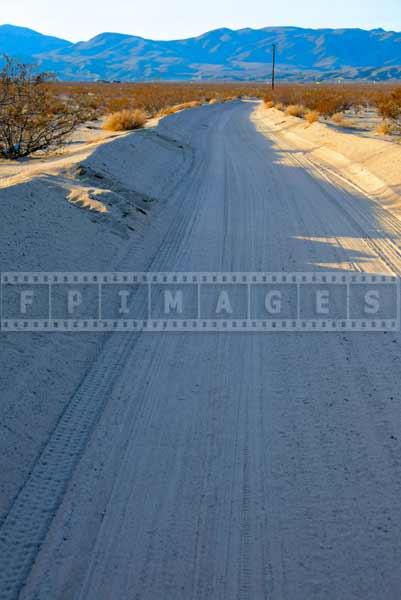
[{"x": 273, "y": 63}]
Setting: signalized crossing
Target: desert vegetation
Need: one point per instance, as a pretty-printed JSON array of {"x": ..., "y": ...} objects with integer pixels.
[
  {"x": 38, "y": 113},
  {"x": 295, "y": 110},
  {"x": 339, "y": 103},
  {"x": 311, "y": 116},
  {"x": 156, "y": 99},
  {"x": 125, "y": 120},
  {"x": 32, "y": 117},
  {"x": 389, "y": 107}
]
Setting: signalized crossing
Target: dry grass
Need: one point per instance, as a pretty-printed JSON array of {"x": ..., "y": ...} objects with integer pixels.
[
  {"x": 125, "y": 120},
  {"x": 331, "y": 99},
  {"x": 106, "y": 98},
  {"x": 165, "y": 112},
  {"x": 338, "y": 119},
  {"x": 327, "y": 100},
  {"x": 185, "y": 105},
  {"x": 383, "y": 129},
  {"x": 164, "y": 97},
  {"x": 389, "y": 107},
  {"x": 338, "y": 102},
  {"x": 295, "y": 110},
  {"x": 311, "y": 116},
  {"x": 170, "y": 110}
]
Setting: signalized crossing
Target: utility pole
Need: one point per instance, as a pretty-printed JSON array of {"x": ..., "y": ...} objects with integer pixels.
[{"x": 273, "y": 63}]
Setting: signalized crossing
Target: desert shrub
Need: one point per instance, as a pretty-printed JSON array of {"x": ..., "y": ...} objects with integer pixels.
[
  {"x": 384, "y": 128},
  {"x": 185, "y": 105},
  {"x": 153, "y": 97},
  {"x": 114, "y": 105},
  {"x": 295, "y": 110},
  {"x": 312, "y": 116},
  {"x": 268, "y": 104},
  {"x": 329, "y": 104},
  {"x": 32, "y": 117},
  {"x": 326, "y": 105},
  {"x": 338, "y": 119},
  {"x": 168, "y": 110},
  {"x": 389, "y": 107},
  {"x": 327, "y": 100},
  {"x": 125, "y": 120}
]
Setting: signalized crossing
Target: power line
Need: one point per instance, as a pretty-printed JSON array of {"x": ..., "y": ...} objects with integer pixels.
[{"x": 273, "y": 64}]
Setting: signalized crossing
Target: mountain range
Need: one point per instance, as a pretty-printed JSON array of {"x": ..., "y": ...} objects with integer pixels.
[{"x": 222, "y": 54}]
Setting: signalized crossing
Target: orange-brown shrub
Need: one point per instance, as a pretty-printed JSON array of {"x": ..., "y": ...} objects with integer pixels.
[
  {"x": 311, "y": 116},
  {"x": 125, "y": 120},
  {"x": 169, "y": 110},
  {"x": 338, "y": 118},
  {"x": 389, "y": 107},
  {"x": 326, "y": 99},
  {"x": 383, "y": 129},
  {"x": 153, "y": 97},
  {"x": 295, "y": 110},
  {"x": 185, "y": 105}
]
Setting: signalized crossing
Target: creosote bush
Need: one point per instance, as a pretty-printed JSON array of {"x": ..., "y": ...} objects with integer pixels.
[
  {"x": 326, "y": 100},
  {"x": 295, "y": 110},
  {"x": 389, "y": 107},
  {"x": 383, "y": 129},
  {"x": 331, "y": 101},
  {"x": 32, "y": 117},
  {"x": 125, "y": 120},
  {"x": 170, "y": 110},
  {"x": 338, "y": 119},
  {"x": 312, "y": 116},
  {"x": 154, "y": 97}
]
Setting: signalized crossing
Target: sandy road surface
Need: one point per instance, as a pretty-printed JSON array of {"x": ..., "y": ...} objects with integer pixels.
[{"x": 227, "y": 466}]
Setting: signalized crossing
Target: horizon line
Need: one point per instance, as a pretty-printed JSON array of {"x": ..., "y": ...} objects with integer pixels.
[{"x": 132, "y": 35}]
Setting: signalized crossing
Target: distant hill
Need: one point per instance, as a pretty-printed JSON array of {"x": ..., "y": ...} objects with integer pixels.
[
  {"x": 303, "y": 54},
  {"x": 26, "y": 43}
]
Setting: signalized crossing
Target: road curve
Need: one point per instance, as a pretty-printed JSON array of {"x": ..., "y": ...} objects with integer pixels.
[{"x": 222, "y": 466}]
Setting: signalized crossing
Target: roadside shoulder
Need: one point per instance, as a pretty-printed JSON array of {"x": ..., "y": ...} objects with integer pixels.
[{"x": 369, "y": 163}]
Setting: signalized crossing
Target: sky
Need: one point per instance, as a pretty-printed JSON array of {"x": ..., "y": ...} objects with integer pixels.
[{"x": 77, "y": 20}]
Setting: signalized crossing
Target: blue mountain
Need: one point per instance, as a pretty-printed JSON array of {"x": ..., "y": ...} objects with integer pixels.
[{"x": 245, "y": 54}]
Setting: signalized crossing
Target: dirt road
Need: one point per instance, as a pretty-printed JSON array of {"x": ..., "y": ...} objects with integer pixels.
[{"x": 249, "y": 466}]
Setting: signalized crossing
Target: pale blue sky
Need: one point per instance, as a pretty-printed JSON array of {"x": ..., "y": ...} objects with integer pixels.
[{"x": 170, "y": 19}]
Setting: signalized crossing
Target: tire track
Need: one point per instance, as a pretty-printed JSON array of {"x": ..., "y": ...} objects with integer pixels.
[{"x": 27, "y": 522}]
